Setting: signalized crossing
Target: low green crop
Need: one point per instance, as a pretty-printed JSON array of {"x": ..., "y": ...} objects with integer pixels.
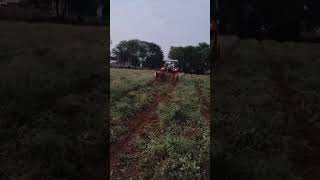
[{"x": 180, "y": 149}]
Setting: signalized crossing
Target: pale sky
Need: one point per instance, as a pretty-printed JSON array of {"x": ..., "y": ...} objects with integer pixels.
[{"x": 164, "y": 22}]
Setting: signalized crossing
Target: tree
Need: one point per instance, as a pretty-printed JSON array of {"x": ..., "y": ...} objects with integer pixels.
[
  {"x": 121, "y": 52},
  {"x": 106, "y": 9},
  {"x": 264, "y": 18},
  {"x": 37, "y": 6},
  {"x": 204, "y": 53},
  {"x": 62, "y": 7},
  {"x": 135, "y": 52},
  {"x": 312, "y": 14},
  {"x": 154, "y": 56},
  {"x": 192, "y": 59},
  {"x": 84, "y": 7},
  {"x": 177, "y": 53}
]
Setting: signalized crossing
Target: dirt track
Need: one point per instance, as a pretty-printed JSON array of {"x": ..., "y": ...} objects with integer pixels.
[{"x": 124, "y": 146}]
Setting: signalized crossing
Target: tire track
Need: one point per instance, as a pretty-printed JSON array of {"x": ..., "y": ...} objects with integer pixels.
[{"x": 125, "y": 144}]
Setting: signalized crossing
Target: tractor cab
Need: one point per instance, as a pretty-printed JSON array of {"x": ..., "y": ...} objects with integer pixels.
[
  {"x": 168, "y": 72},
  {"x": 170, "y": 66}
]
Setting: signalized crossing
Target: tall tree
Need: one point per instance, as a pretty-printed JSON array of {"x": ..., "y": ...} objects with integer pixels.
[
  {"x": 194, "y": 59},
  {"x": 136, "y": 51},
  {"x": 204, "y": 54},
  {"x": 62, "y": 7},
  {"x": 154, "y": 56}
]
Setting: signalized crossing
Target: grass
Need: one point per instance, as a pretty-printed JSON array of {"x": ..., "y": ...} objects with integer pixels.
[
  {"x": 126, "y": 80},
  {"x": 262, "y": 103},
  {"x": 179, "y": 147},
  {"x": 132, "y": 91},
  {"x": 52, "y": 99}
]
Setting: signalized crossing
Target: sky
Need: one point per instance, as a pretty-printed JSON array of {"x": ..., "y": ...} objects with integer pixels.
[{"x": 164, "y": 22}]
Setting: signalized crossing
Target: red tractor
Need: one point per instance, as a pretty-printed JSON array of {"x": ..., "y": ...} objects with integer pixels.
[{"x": 169, "y": 72}]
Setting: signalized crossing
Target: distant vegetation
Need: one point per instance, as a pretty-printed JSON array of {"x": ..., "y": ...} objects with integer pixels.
[
  {"x": 77, "y": 11},
  {"x": 135, "y": 52},
  {"x": 281, "y": 20},
  {"x": 192, "y": 59}
]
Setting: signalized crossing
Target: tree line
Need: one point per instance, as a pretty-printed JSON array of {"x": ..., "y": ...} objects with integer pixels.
[
  {"x": 63, "y": 8},
  {"x": 135, "y": 52},
  {"x": 192, "y": 59},
  {"x": 282, "y": 20}
]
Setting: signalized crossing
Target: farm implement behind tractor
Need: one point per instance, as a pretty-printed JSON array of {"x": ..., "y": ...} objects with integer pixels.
[{"x": 169, "y": 72}]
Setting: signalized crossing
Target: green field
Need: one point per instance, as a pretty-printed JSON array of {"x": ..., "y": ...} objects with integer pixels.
[
  {"x": 266, "y": 98},
  {"x": 179, "y": 147},
  {"x": 52, "y": 100},
  {"x": 174, "y": 141},
  {"x": 131, "y": 91}
]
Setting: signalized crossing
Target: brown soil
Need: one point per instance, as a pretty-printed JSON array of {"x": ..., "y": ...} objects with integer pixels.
[{"x": 125, "y": 144}]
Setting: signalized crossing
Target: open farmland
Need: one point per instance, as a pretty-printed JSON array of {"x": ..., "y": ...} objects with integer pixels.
[
  {"x": 52, "y": 101},
  {"x": 158, "y": 129},
  {"x": 125, "y": 80},
  {"x": 131, "y": 91},
  {"x": 266, "y": 111}
]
